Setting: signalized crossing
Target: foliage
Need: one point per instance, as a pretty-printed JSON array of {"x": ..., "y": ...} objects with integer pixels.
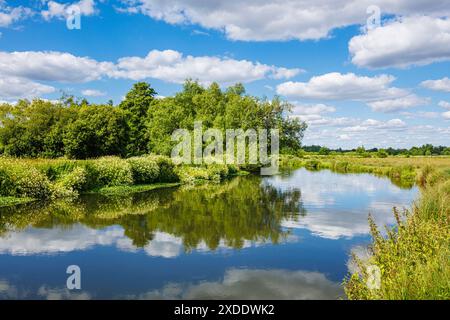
[
  {"x": 111, "y": 171},
  {"x": 34, "y": 128},
  {"x": 64, "y": 178},
  {"x": 136, "y": 105},
  {"x": 97, "y": 131},
  {"x": 141, "y": 124},
  {"x": 12, "y": 201},
  {"x": 23, "y": 181},
  {"x": 413, "y": 257},
  {"x": 166, "y": 169},
  {"x": 71, "y": 183},
  {"x": 324, "y": 151},
  {"x": 382, "y": 153},
  {"x": 144, "y": 169},
  {"x": 230, "y": 109}
]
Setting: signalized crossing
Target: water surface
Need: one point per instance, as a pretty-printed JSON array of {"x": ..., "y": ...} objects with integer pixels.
[{"x": 280, "y": 237}]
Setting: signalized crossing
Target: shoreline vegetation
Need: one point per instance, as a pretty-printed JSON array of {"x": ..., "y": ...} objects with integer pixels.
[
  {"x": 414, "y": 255},
  {"x": 26, "y": 180}
]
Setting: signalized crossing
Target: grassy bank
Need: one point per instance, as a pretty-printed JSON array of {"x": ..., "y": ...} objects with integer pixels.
[
  {"x": 23, "y": 180},
  {"x": 403, "y": 171},
  {"x": 413, "y": 256}
]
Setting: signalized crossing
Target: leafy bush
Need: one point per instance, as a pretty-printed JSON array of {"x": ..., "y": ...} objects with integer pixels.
[
  {"x": 55, "y": 169},
  {"x": 324, "y": 151},
  {"x": 76, "y": 179},
  {"x": 31, "y": 183},
  {"x": 413, "y": 256},
  {"x": 7, "y": 186},
  {"x": 232, "y": 169},
  {"x": 109, "y": 171},
  {"x": 166, "y": 169},
  {"x": 221, "y": 170},
  {"x": 382, "y": 153},
  {"x": 192, "y": 175},
  {"x": 144, "y": 169}
]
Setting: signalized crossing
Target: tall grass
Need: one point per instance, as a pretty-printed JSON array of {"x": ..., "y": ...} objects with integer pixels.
[{"x": 414, "y": 257}]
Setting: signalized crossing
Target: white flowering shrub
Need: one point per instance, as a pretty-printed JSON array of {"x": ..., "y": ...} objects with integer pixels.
[
  {"x": 111, "y": 171},
  {"x": 144, "y": 169},
  {"x": 30, "y": 182}
]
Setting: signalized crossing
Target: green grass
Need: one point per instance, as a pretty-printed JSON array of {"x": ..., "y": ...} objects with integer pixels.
[
  {"x": 12, "y": 201},
  {"x": 121, "y": 190},
  {"x": 414, "y": 258}
]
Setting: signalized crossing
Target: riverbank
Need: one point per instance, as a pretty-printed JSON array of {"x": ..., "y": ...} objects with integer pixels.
[
  {"x": 414, "y": 256},
  {"x": 26, "y": 180},
  {"x": 403, "y": 171}
]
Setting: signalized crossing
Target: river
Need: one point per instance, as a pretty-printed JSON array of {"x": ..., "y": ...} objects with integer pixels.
[{"x": 281, "y": 237}]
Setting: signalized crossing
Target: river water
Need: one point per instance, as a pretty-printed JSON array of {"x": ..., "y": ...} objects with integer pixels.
[{"x": 281, "y": 237}]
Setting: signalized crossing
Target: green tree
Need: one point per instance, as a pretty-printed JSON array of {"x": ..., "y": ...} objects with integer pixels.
[
  {"x": 136, "y": 105},
  {"x": 230, "y": 109},
  {"x": 324, "y": 151},
  {"x": 35, "y": 128},
  {"x": 382, "y": 153},
  {"x": 360, "y": 150},
  {"x": 99, "y": 130}
]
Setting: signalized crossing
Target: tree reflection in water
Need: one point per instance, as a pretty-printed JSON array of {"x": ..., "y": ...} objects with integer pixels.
[{"x": 242, "y": 209}]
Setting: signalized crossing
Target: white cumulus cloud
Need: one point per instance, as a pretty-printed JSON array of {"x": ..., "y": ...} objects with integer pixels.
[
  {"x": 173, "y": 66},
  {"x": 167, "y": 65},
  {"x": 262, "y": 20},
  {"x": 446, "y": 115},
  {"x": 63, "y": 10},
  {"x": 391, "y": 105},
  {"x": 338, "y": 86},
  {"x": 12, "y": 88},
  {"x": 93, "y": 93},
  {"x": 415, "y": 40},
  {"x": 10, "y": 15},
  {"x": 444, "y": 104},
  {"x": 52, "y": 66},
  {"x": 437, "y": 85}
]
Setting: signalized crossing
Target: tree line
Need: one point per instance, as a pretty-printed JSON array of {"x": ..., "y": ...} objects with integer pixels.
[
  {"x": 424, "y": 150},
  {"x": 142, "y": 123}
]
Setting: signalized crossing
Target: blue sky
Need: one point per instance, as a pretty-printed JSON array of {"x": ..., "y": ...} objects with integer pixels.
[{"x": 352, "y": 80}]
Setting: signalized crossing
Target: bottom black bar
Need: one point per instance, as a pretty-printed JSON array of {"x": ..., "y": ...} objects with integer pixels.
[{"x": 201, "y": 309}]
